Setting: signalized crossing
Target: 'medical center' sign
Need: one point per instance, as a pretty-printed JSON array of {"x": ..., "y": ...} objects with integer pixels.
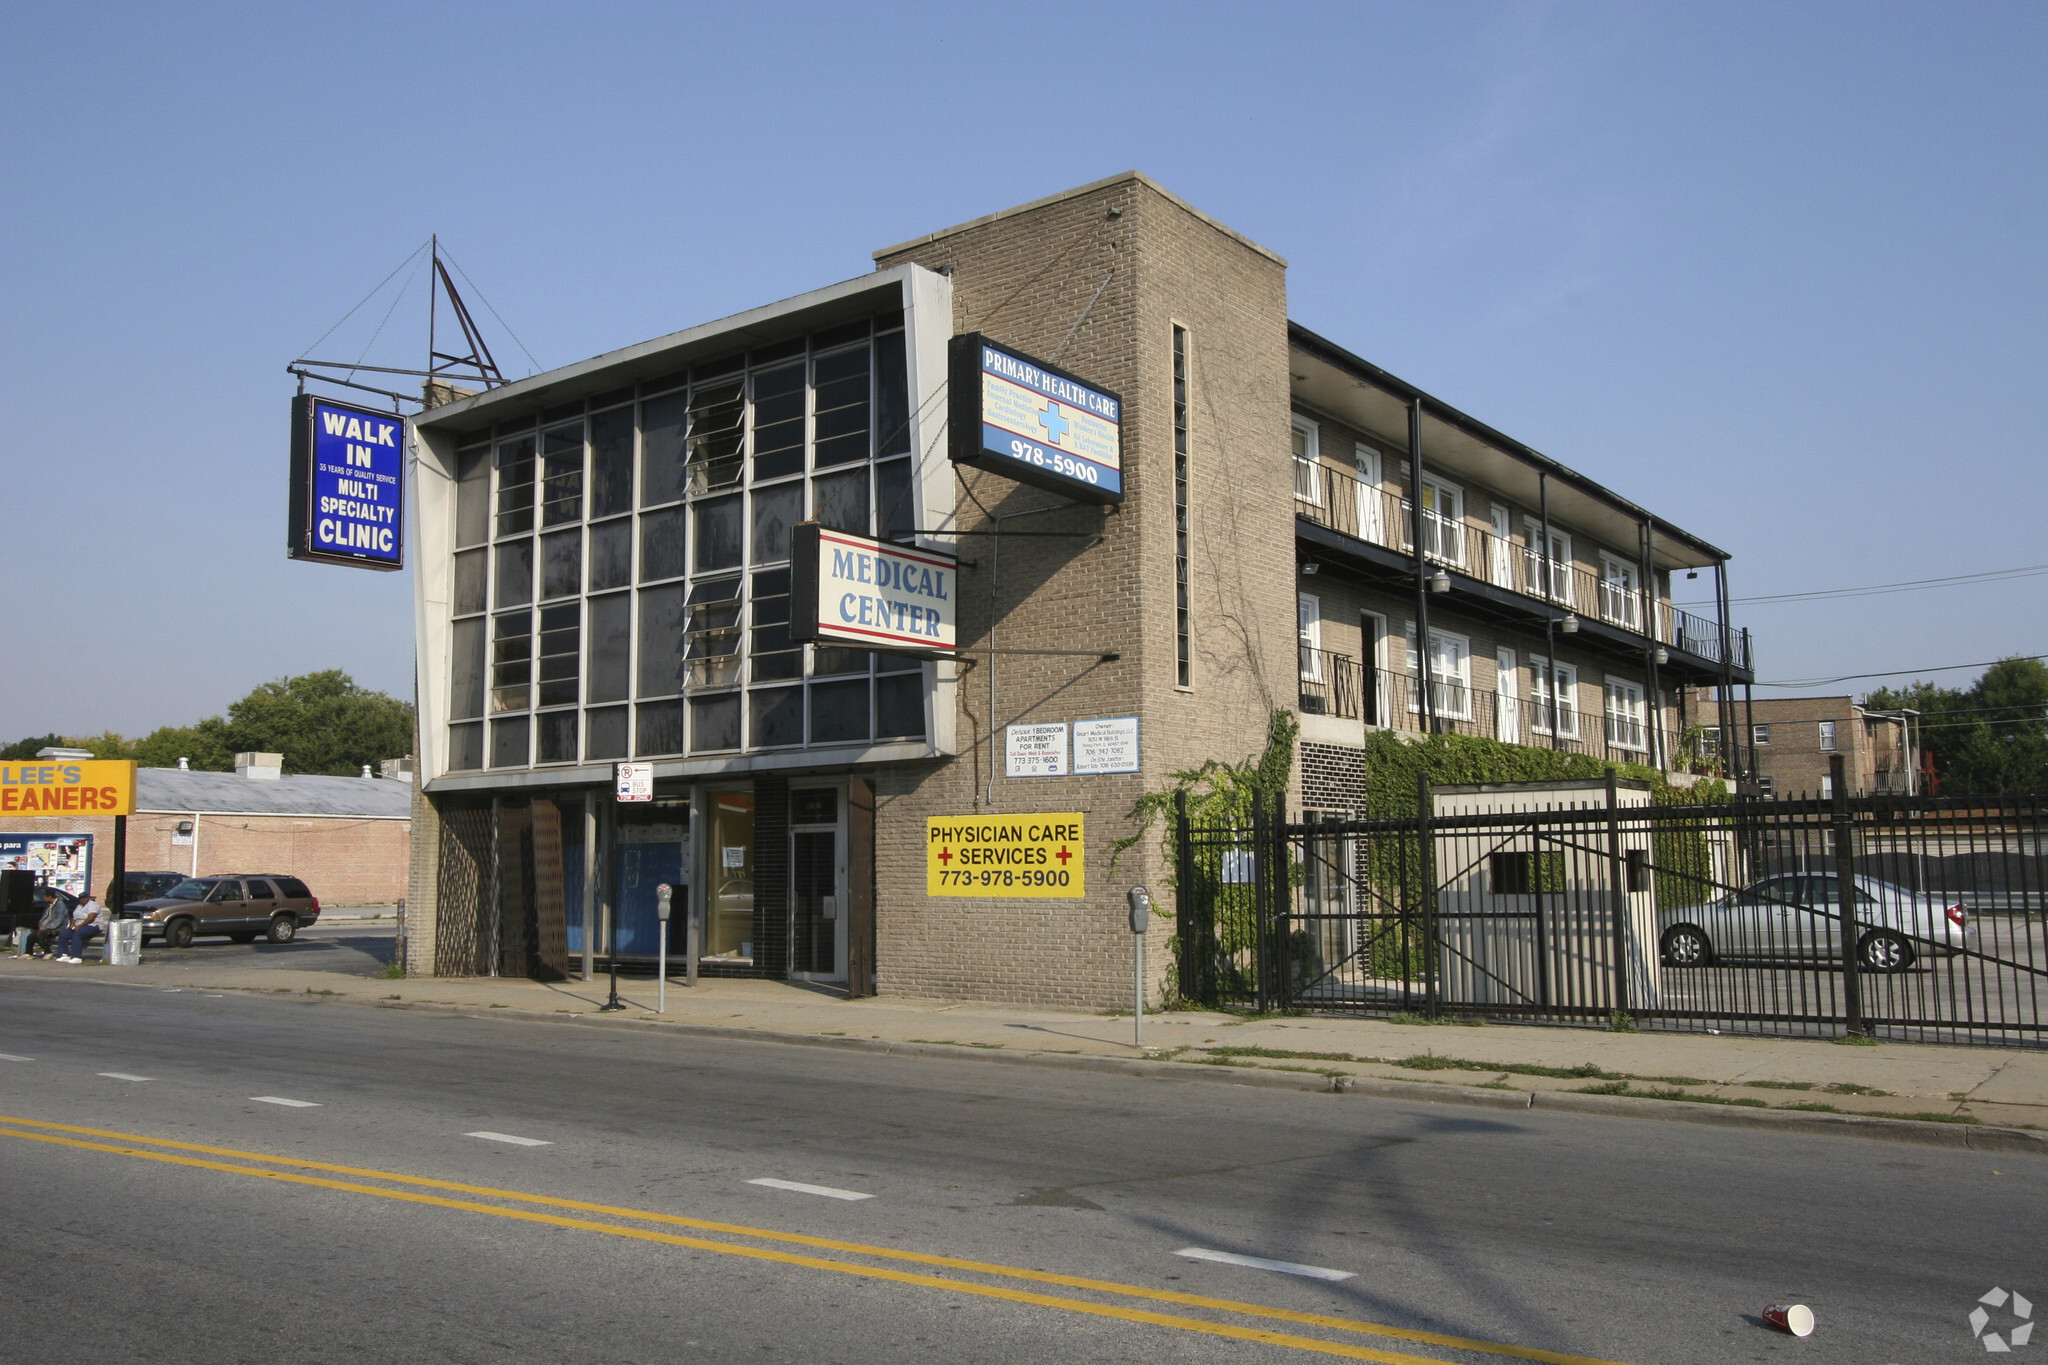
[
  {"x": 848, "y": 589},
  {"x": 348, "y": 485},
  {"x": 1034, "y": 423}
]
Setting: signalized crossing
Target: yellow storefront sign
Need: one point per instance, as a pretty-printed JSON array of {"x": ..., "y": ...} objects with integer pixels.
[
  {"x": 1006, "y": 855},
  {"x": 68, "y": 786}
]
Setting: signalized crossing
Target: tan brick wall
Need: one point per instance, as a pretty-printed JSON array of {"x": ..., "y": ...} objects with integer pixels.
[
  {"x": 1024, "y": 279},
  {"x": 345, "y": 861}
]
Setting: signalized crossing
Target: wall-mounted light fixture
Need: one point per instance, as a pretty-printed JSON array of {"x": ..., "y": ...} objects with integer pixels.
[
  {"x": 1310, "y": 567},
  {"x": 1570, "y": 624},
  {"x": 1439, "y": 581}
]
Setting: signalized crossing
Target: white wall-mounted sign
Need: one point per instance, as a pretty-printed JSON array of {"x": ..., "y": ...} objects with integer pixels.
[
  {"x": 1036, "y": 750},
  {"x": 1106, "y": 746},
  {"x": 635, "y": 782},
  {"x": 855, "y": 590}
]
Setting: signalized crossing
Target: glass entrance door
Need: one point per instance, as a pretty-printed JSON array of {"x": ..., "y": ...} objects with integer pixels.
[{"x": 817, "y": 869}]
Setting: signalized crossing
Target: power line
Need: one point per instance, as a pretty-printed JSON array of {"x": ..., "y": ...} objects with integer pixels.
[
  {"x": 1877, "y": 589},
  {"x": 1891, "y": 673}
]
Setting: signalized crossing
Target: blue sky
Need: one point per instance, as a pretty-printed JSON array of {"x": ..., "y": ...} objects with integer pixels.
[{"x": 1773, "y": 270}]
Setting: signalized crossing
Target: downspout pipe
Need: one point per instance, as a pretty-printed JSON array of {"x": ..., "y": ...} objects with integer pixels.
[{"x": 1549, "y": 619}]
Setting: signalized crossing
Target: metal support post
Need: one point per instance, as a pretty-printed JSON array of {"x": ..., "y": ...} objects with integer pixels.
[
  {"x": 1617, "y": 895},
  {"x": 1549, "y": 620},
  {"x": 1845, "y": 890},
  {"x": 1192, "y": 986},
  {"x": 1262, "y": 876},
  {"x": 1426, "y": 851},
  {"x": 1426, "y": 702}
]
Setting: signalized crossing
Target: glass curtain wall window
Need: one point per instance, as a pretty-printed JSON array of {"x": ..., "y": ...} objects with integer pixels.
[{"x": 621, "y": 563}]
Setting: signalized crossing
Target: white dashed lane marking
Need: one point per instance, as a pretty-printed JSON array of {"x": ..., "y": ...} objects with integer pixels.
[
  {"x": 508, "y": 1137},
  {"x": 1313, "y": 1272},
  {"x": 10, "y": 1057},
  {"x": 289, "y": 1104},
  {"x": 802, "y": 1188},
  {"x": 122, "y": 1076}
]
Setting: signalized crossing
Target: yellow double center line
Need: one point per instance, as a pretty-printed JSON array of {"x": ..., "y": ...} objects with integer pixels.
[{"x": 67, "y": 1135}]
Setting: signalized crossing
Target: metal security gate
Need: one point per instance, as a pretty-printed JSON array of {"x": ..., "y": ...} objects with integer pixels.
[{"x": 1911, "y": 918}]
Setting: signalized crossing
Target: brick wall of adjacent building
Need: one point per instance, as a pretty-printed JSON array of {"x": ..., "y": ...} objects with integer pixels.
[
  {"x": 346, "y": 860},
  {"x": 1024, "y": 278}
]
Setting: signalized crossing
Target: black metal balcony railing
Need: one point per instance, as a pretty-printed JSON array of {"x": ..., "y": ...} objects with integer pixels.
[
  {"x": 1337, "y": 685},
  {"x": 1329, "y": 684},
  {"x": 1332, "y": 498}
]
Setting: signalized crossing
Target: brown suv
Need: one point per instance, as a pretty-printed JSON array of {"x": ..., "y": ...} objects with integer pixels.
[{"x": 237, "y": 905}]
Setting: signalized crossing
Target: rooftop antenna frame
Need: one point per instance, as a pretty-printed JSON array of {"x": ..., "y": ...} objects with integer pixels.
[{"x": 442, "y": 367}]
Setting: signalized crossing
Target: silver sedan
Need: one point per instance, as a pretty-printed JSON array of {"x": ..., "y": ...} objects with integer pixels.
[{"x": 1797, "y": 916}]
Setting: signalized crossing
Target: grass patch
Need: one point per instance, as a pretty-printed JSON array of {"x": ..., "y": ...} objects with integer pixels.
[
  {"x": 497, "y": 1007},
  {"x": 390, "y": 971},
  {"x": 1608, "y": 1088},
  {"x": 1812, "y": 1107},
  {"x": 1855, "y": 1040},
  {"x": 1493, "y": 1085},
  {"x": 1422, "y": 1020},
  {"x": 1941, "y": 1118},
  {"x": 1667, "y": 1093},
  {"x": 1779, "y": 1085},
  {"x": 948, "y": 1042},
  {"x": 1284, "y": 1053},
  {"x": 1617, "y": 1022},
  {"x": 1433, "y": 1062},
  {"x": 1851, "y": 1088}
]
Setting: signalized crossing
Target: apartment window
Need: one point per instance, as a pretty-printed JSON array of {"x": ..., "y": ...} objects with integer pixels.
[
  {"x": 1308, "y": 471},
  {"x": 1760, "y": 735},
  {"x": 1625, "y": 716},
  {"x": 1827, "y": 786},
  {"x": 1827, "y": 736},
  {"x": 1619, "y": 601},
  {"x": 1443, "y": 521},
  {"x": 1309, "y": 635},
  {"x": 1558, "y": 572},
  {"x": 1555, "y": 698},
  {"x": 1767, "y": 785},
  {"x": 613, "y": 564},
  {"x": 1450, "y": 674},
  {"x": 1183, "y": 639}
]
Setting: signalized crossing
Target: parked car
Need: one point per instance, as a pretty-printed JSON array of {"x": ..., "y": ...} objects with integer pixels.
[
  {"x": 238, "y": 905},
  {"x": 142, "y": 886},
  {"x": 1797, "y": 916}
]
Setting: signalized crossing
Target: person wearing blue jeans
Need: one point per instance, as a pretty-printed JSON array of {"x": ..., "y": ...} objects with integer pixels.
[{"x": 85, "y": 927}]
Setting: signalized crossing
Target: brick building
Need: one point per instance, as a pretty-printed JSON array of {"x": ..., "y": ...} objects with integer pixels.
[
  {"x": 347, "y": 838},
  {"x": 1793, "y": 739},
  {"x": 602, "y": 559}
]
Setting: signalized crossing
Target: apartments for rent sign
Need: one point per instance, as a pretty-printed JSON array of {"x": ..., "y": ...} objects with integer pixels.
[
  {"x": 853, "y": 590},
  {"x": 348, "y": 485}
]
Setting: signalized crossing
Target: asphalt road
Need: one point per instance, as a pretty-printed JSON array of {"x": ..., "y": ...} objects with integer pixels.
[
  {"x": 353, "y": 947},
  {"x": 634, "y": 1234}
]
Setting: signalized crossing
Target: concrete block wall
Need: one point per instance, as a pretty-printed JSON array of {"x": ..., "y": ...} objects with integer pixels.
[{"x": 1026, "y": 277}]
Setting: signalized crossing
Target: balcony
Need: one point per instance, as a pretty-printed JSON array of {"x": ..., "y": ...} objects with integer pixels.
[
  {"x": 1333, "y": 499},
  {"x": 1337, "y": 685}
]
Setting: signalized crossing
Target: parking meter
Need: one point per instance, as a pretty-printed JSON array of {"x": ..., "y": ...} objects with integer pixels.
[
  {"x": 1138, "y": 901},
  {"x": 663, "y": 895}
]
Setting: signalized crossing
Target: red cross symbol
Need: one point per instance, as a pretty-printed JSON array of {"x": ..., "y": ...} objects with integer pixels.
[
  {"x": 945, "y": 855},
  {"x": 1063, "y": 855}
]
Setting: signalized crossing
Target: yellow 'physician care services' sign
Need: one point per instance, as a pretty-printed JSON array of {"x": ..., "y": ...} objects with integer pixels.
[
  {"x": 1006, "y": 856},
  {"x": 68, "y": 786}
]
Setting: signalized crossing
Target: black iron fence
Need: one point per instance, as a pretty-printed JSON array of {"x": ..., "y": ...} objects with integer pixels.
[{"x": 1902, "y": 917}]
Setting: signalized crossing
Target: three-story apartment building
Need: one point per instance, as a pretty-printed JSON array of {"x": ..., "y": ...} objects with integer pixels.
[{"x": 604, "y": 560}]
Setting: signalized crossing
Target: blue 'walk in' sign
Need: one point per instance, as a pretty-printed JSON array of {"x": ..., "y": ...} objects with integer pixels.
[{"x": 348, "y": 484}]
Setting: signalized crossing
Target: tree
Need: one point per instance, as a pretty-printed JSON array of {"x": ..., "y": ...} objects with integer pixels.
[
  {"x": 321, "y": 722},
  {"x": 1990, "y": 737},
  {"x": 23, "y": 749}
]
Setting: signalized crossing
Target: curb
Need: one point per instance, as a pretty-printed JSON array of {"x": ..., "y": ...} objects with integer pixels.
[
  {"x": 1964, "y": 1137},
  {"x": 1968, "y": 1137}
]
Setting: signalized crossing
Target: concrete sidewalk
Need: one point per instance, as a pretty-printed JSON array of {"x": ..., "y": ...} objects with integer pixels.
[{"x": 1520, "y": 1065}]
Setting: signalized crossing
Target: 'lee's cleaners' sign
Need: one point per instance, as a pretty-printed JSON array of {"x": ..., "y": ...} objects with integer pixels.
[
  {"x": 348, "y": 485},
  {"x": 852, "y": 590},
  {"x": 68, "y": 786}
]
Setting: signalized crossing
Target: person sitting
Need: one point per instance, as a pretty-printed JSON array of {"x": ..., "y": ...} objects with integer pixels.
[
  {"x": 56, "y": 918},
  {"x": 85, "y": 927}
]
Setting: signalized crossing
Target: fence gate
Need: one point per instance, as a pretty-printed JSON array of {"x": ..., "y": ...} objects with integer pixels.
[{"x": 1912, "y": 918}]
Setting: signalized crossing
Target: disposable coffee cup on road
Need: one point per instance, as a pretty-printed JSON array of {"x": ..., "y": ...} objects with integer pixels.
[{"x": 1795, "y": 1318}]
